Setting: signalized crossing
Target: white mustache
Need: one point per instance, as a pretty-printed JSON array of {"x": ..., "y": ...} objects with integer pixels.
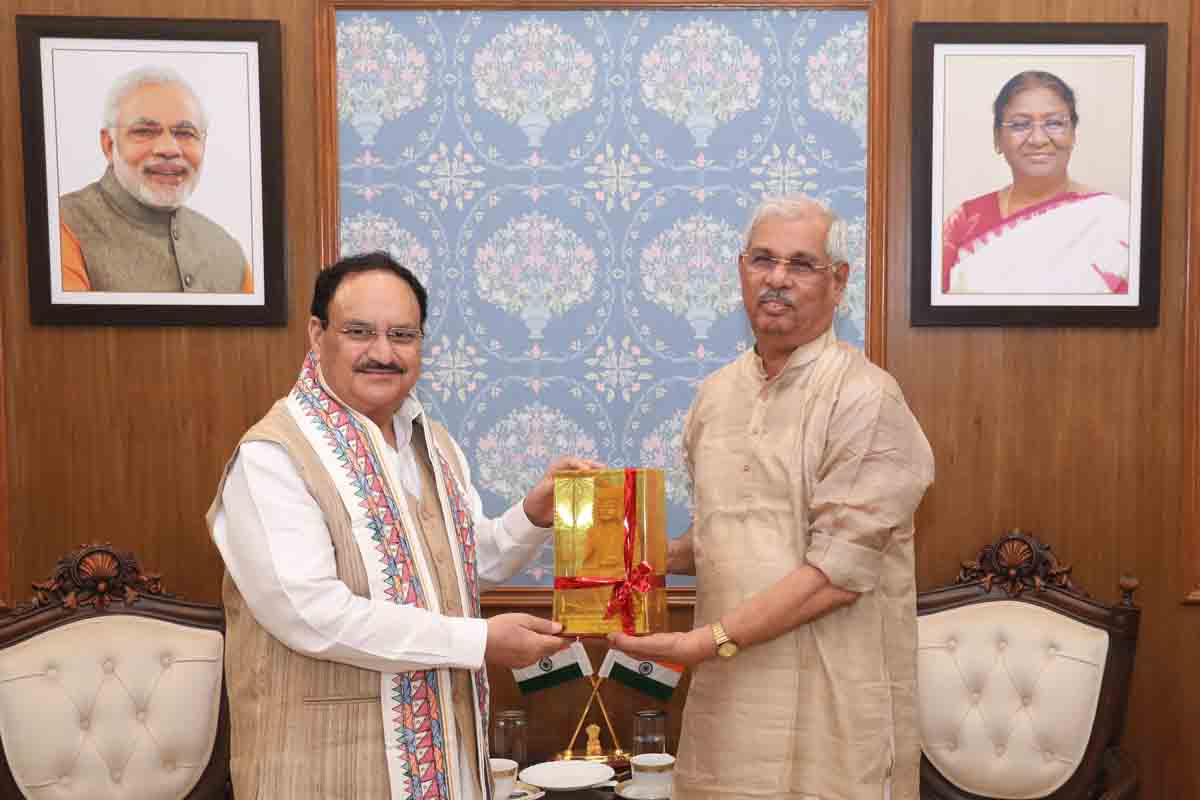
[
  {"x": 777, "y": 295},
  {"x": 167, "y": 165}
]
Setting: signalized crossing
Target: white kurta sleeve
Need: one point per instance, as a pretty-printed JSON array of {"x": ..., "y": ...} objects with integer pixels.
[
  {"x": 502, "y": 545},
  {"x": 275, "y": 543}
]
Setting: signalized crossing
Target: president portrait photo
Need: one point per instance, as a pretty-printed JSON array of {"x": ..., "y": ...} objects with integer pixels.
[
  {"x": 1037, "y": 175},
  {"x": 153, "y": 172}
]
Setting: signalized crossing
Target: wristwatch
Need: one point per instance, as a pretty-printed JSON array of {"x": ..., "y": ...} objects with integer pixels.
[{"x": 726, "y": 647}]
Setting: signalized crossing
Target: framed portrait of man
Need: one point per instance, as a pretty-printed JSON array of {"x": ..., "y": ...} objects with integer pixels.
[
  {"x": 153, "y": 170},
  {"x": 1037, "y": 173}
]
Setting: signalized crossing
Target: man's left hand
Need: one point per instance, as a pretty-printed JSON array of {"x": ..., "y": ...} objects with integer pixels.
[
  {"x": 539, "y": 503},
  {"x": 687, "y": 649}
]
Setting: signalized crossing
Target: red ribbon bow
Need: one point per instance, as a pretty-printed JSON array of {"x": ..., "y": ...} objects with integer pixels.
[{"x": 638, "y": 578}]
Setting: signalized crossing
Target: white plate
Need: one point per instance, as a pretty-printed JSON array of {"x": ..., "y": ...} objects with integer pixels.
[
  {"x": 627, "y": 790},
  {"x": 566, "y": 775}
]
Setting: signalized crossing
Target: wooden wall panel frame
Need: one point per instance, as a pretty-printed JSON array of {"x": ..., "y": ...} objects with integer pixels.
[
  {"x": 6, "y": 591},
  {"x": 877, "y": 162},
  {"x": 1190, "y": 518}
]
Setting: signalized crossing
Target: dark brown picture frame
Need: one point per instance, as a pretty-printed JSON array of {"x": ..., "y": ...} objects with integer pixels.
[
  {"x": 265, "y": 36},
  {"x": 1152, "y": 38}
]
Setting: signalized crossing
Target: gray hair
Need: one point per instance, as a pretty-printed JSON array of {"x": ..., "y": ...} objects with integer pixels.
[
  {"x": 799, "y": 206},
  {"x": 146, "y": 76}
]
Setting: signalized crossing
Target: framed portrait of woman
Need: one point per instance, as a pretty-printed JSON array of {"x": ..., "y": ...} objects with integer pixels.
[{"x": 1037, "y": 173}]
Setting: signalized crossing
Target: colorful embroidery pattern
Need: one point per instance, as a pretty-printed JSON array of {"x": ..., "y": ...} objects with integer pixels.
[
  {"x": 419, "y": 728},
  {"x": 465, "y": 528},
  {"x": 416, "y": 715}
]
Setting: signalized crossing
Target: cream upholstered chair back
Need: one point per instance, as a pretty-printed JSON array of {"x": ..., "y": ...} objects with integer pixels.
[
  {"x": 111, "y": 689},
  {"x": 1023, "y": 681}
]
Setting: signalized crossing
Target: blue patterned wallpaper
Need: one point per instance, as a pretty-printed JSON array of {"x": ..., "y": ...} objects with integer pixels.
[{"x": 571, "y": 186}]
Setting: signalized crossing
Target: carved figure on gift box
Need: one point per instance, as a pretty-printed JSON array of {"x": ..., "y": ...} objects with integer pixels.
[{"x": 604, "y": 551}]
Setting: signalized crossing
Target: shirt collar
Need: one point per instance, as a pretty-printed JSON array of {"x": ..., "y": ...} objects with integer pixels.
[
  {"x": 403, "y": 420},
  {"x": 802, "y": 356}
]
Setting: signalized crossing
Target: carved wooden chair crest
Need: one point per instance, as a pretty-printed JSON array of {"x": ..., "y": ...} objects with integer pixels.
[
  {"x": 110, "y": 687},
  {"x": 1023, "y": 681}
]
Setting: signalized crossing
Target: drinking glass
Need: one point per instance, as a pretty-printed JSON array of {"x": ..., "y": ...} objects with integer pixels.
[
  {"x": 509, "y": 735},
  {"x": 650, "y": 731}
]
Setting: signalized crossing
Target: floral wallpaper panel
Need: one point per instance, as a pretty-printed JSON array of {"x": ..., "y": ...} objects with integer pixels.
[{"x": 572, "y": 187}]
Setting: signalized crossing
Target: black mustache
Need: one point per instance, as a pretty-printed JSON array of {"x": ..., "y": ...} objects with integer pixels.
[{"x": 375, "y": 366}]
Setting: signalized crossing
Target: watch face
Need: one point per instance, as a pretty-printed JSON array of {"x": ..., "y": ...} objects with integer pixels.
[{"x": 727, "y": 650}]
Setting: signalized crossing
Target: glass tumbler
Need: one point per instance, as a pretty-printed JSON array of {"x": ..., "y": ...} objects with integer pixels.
[
  {"x": 509, "y": 735},
  {"x": 649, "y": 731}
]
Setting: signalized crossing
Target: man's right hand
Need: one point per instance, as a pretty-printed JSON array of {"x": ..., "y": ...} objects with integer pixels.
[{"x": 518, "y": 640}]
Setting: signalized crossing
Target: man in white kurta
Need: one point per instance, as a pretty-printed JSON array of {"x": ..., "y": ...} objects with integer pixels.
[
  {"x": 355, "y": 549},
  {"x": 807, "y": 466}
]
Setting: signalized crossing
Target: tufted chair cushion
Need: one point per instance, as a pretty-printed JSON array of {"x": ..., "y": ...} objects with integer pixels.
[
  {"x": 1008, "y": 693},
  {"x": 111, "y": 708}
]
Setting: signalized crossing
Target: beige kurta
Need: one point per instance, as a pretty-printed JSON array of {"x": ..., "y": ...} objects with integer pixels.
[{"x": 824, "y": 465}]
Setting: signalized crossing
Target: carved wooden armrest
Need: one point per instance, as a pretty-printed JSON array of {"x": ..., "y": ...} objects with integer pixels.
[{"x": 1120, "y": 775}]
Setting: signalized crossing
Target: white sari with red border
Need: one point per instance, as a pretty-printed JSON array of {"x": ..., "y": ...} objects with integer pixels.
[{"x": 1073, "y": 243}]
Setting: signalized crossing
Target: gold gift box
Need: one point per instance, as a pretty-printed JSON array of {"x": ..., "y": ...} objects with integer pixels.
[{"x": 589, "y": 542}]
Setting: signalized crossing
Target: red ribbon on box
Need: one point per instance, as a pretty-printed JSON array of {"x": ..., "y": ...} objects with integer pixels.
[{"x": 639, "y": 578}]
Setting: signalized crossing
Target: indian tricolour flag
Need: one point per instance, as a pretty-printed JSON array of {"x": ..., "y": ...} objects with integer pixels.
[
  {"x": 565, "y": 665},
  {"x": 655, "y": 678}
]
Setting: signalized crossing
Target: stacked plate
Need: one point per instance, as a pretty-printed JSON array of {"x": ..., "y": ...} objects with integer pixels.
[
  {"x": 525, "y": 791},
  {"x": 631, "y": 791},
  {"x": 562, "y": 776}
]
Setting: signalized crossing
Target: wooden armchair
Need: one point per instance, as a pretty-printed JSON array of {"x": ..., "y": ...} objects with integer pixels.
[
  {"x": 1024, "y": 681},
  {"x": 110, "y": 688}
]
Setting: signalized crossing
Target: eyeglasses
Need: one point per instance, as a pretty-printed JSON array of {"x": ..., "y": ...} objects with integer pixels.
[
  {"x": 1054, "y": 127},
  {"x": 397, "y": 337},
  {"x": 758, "y": 261},
  {"x": 144, "y": 132}
]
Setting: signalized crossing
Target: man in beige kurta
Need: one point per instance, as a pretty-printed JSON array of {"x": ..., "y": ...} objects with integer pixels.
[{"x": 807, "y": 467}]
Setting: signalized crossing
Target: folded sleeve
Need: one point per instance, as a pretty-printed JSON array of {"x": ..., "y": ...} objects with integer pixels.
[{"x": 876, "y": 467}]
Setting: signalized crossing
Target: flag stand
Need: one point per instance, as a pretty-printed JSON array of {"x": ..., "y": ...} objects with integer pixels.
[{"x": 594, "y": 751}]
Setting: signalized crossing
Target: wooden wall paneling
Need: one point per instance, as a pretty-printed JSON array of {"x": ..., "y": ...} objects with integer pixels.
[
  {"x": 120, "y": 433},
  {"x": 1070, "y": 433},
  {"x": 6, "y": 597},
  {"x": 1190, "y": 528},
  {"x": 877, "y": 189}
]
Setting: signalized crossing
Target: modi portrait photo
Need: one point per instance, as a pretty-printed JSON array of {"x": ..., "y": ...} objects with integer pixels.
[
  {"x": 157, "y": 205},
  {"x": 1042, "y": 161}
]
